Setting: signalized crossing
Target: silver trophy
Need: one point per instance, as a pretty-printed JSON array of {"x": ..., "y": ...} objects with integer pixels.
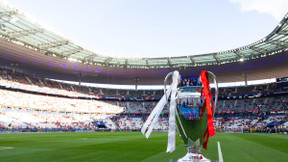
[
  {"x": 191, "y": 124},
  {"x": 191, "y": 114}
]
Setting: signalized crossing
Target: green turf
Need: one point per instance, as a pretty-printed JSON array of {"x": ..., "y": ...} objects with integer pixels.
[{"x": 122, "y": 146}]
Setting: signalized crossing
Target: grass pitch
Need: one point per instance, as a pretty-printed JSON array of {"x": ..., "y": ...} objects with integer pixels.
[{"x": 133, "y": 146}]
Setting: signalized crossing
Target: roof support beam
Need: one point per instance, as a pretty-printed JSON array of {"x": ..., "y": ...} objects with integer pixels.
[
  {"x": 192, "y": 60},
  {"x": 147, "y": 63},
  {"x": 169, "y": 62},
  {"x": 7, "y": 14},
  {"x": 240, "y": 55},
  {"x": 22, "y": 33},
  {"x": 126, "y": 63},
  {"x": 216, "y": 58},
  {"x": 71, "y": 52},
  {"x": 46, "y": 46},
  {"x": 278, "y": 43},
  {"x": 257, "y": 49},
  {"x": 108, "y": 61},
  {"x": 89, "y": 57}
]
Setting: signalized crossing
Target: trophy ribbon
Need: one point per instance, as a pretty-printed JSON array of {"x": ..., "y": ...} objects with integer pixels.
[
  {"x": 208, "y": 102},
  {"x": 153, "y": 118}
]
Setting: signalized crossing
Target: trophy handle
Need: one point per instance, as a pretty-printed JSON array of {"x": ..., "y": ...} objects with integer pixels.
[
  {"x": 216, "y": 90},
  {"x": 177, "y": 95},
  {"x": 165, "y": 83}
]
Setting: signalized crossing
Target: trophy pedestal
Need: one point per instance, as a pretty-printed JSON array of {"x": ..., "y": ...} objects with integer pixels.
[{"x": 192, "y": 157}]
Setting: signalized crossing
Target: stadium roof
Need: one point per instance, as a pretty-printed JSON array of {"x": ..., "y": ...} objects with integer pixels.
[{"x": 18, "y": 28}]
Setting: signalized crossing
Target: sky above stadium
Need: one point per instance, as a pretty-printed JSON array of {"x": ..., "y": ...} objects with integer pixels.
[{"x": 158, "y": 28}]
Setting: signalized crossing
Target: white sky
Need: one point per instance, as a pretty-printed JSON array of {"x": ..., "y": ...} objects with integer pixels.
[{"x": 158, "y": 28}]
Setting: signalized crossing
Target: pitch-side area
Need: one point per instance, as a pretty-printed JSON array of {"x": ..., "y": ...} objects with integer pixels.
[{"x": 133, "y": 146}]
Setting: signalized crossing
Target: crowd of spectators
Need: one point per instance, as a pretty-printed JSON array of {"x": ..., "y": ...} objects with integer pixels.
[
  {"x": 8, "y": 78},
  {"x": 20, "y": 118},
  {"x": 16, "y": 99},
  {"x": 252, "y": 105},
  {"x": 53, "y": 104}
]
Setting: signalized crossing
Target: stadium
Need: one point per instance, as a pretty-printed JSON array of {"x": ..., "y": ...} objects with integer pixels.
[{"x": 53, "y": 107}]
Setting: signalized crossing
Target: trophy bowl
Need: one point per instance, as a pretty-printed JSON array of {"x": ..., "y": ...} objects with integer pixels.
[{"x": 189, "y": 127}]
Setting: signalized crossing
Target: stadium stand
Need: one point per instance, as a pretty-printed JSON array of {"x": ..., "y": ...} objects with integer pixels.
[{"x": 31, "y": 102}]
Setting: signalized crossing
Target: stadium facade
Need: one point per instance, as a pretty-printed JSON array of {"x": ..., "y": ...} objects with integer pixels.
[{"x": 25, "y": 44}]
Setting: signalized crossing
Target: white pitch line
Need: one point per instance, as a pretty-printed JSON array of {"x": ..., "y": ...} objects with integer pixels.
[
  {"x": 220, "y": 152},
  {"x": 6, "y": 148}
]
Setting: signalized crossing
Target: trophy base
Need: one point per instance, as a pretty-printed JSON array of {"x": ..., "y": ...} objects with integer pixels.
[{"x": 192, "y": 157}]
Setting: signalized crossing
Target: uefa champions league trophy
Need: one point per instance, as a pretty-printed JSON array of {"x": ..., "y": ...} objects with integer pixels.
[{"x": 191, "y": 115}]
